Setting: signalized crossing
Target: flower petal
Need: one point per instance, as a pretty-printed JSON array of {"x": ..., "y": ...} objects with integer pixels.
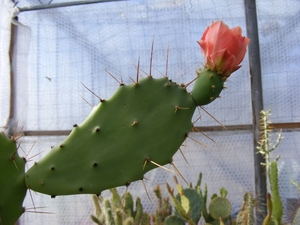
[{"x": 223, "y": 48}]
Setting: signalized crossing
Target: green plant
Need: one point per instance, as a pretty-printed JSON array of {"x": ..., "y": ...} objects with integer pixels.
[
  {"x": 12, "y": 188},
  {"x": 163, "y": 209},
  {"x": 274, "y": 202},
  {"x": 124, "y": 135},
  {"x": 120, "y": 210},
  {"x": 191, "y": 203}
]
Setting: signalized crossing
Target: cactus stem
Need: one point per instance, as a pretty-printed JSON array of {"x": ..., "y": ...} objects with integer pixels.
[{"x": 120, "y": 82}]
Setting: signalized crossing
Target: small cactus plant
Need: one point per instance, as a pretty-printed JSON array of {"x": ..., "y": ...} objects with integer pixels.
[
  {"x": 274, "y": 202},
  {"x": 190, "y": 204},
  {"x": 119, "y": 210}
]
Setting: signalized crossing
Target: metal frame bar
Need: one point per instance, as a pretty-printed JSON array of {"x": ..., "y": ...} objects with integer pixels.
[
  {"x": 274, "y": 126},
  {"x": 257, "y": 106},
  {"x": 65, "y": 4}
]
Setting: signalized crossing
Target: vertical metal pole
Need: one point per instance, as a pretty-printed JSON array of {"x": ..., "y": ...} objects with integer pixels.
[{"x": 257, "y": 104}]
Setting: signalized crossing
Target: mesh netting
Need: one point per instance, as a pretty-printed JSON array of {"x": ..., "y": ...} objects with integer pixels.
[{"x": 58, "y": 49}]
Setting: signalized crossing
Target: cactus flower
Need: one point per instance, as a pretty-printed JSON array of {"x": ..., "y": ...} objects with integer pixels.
[{"x": 223, "y": 48}]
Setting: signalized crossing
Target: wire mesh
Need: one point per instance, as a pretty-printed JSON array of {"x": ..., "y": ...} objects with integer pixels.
[{"x": 55, "y": 50}]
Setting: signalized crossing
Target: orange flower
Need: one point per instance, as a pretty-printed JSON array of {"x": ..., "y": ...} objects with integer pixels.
[{"x": 223, "y": 48}]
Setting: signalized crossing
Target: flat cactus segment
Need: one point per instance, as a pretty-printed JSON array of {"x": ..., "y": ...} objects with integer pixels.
[
  {"x": 220, "y": 207},
  {"x": 207, "y": 87},
  {"x": 12, "y": 188},
  {"x": 142, "y": 122}
]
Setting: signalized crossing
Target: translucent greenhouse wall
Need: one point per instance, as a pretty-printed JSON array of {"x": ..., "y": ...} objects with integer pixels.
[{"x": 55, "y": 50}]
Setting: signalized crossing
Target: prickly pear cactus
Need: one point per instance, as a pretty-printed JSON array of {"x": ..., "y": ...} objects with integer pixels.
[
  {"x": 220, "y": 207},
  {"x": 141, "y": 123},
  {"x": 207, "y": 87},
  {"x": 12, "y": 188},
  {"x": 139, "y": 128}
]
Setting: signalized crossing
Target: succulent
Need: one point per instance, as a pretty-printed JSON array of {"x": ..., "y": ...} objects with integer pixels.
[
  {"x": 12, "y": 188},
  {"x": 136, "y": 130},
  {"x": 119, "y": 210}
]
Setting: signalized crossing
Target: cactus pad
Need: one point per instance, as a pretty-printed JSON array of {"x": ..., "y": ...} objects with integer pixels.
[
  {"x": 220, "y": 207},
  {"x": 141, "y": 123},
  {"x": 207, "y": 87},
  {"x": 12, "y": 188}
]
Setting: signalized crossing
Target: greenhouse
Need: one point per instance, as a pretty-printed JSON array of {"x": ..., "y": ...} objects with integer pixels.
[{"x": 149, "y": 112}]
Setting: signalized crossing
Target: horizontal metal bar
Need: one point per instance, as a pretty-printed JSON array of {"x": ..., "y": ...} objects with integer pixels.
[
  {"x": 273, "y": 126},
  {"x": 63, "y": 4},
  {"x": 46, "y": 132}
]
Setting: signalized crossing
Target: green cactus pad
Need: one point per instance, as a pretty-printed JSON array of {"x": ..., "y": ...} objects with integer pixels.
[
  {"x": 277, "y": 207},
  {"x": 142, "y": 122},
  {"x": 220, "y": 207},
  {"x": 194, "y": 202},
  {"x": 174, "y": 220},
  {"x": 12, "y": 188},
  {"x": 207, "y": 87}
]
